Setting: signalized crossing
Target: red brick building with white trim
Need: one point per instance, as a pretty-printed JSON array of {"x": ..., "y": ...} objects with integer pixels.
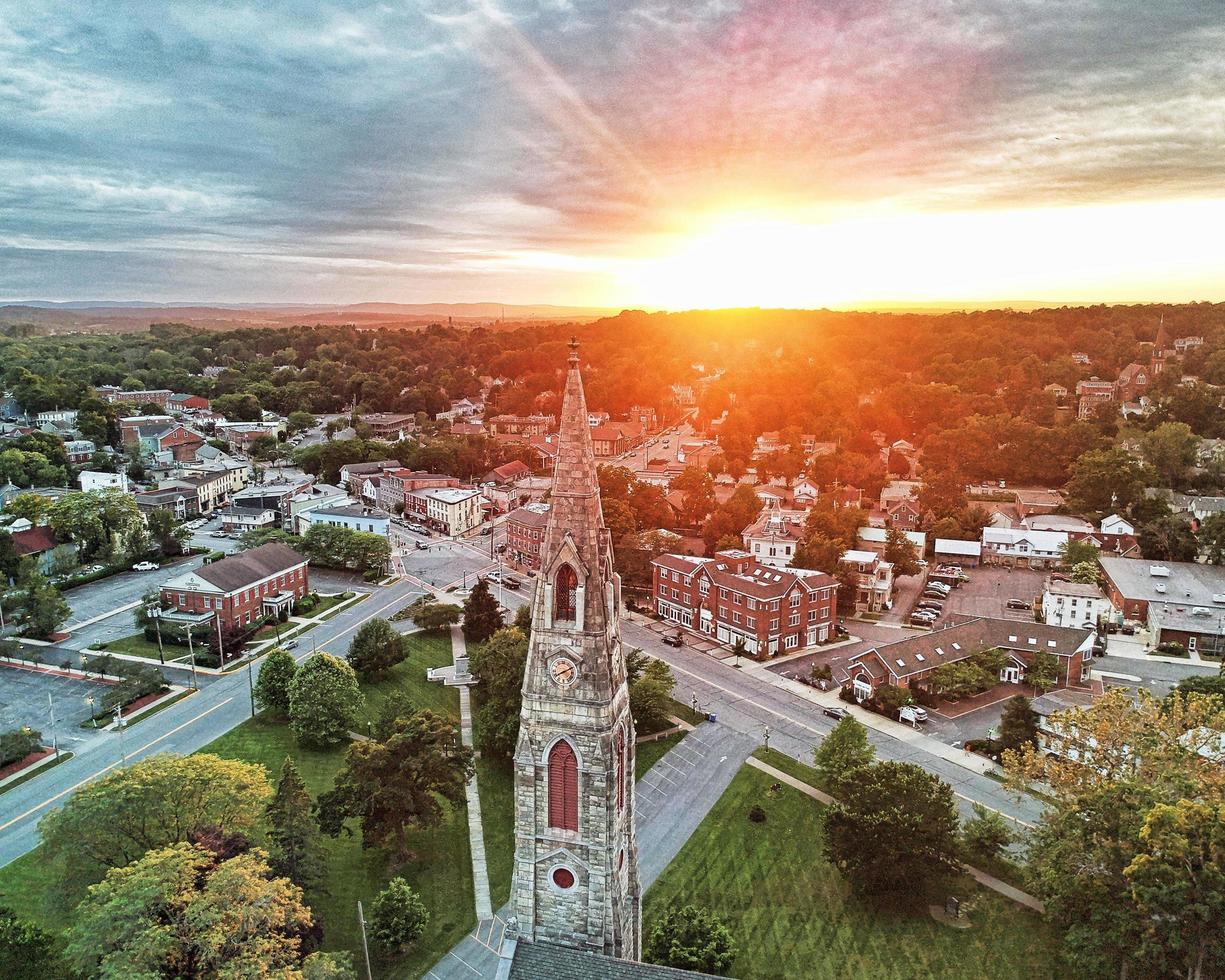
[
  {"x": 242, "y": 588},
  {"x": 733, "y": 596}
]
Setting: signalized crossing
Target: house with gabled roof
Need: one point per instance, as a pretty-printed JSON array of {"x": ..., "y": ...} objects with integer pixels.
[
  {"x": 911, "y": 661},
  {"x": 238, "y": 590}
]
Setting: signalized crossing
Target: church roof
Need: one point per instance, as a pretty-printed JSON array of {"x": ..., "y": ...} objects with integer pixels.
[{"x": 546, "y": 961}]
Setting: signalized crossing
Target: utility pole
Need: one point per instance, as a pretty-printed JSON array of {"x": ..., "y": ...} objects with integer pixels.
[
  {"x": 155, "y": 613},
  {"x": 55, "y": 741},
  {"x": 361, "y": 921},
  {"x": 251, "y": 686},
  {"x": 191, "y": 650}
]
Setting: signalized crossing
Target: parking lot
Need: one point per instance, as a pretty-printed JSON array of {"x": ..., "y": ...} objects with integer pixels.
[
  {"x": 988, "y": 591},
  {"x": 23, "y": 701}
]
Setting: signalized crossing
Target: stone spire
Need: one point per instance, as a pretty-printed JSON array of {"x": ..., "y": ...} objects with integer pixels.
[{"x": 574, "y": 504}]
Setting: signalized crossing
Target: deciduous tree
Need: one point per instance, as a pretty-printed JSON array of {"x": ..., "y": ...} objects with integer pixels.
[
  {"x": 178, "y": 911},
  {"x": 395, "y": 785},
  {"x": 324, "y": 701},
  {"x": 376, "y": 648},
  {"x": 895, "y": 836},
  {"x": 842, "y": 754},
  {"x": 651, "y": 697},
  {"x": 398, "y": 917},
  {"x": 434, "y": 617},
  {"x": 157, "y": 801},
  {"x": 276, "y": 674},
  {"x": 498, "y": 664}
]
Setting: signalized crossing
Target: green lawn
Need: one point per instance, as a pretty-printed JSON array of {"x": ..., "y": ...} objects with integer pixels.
[
  {"x": 495, "y": 780},
  {"x": 441, "y": 869},
  {"x": 138, "y": 646},
  {"x": 792, "y": 914},
  {"x": 649, "y": 753}
]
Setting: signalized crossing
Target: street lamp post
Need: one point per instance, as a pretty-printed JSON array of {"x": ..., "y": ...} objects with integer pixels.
[
  {"x": 89, "y": 700},
  {"x": 766, "y": 737}
]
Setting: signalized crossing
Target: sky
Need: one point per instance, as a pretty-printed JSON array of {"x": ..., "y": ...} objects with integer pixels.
[{"x": 643, "y": 153}]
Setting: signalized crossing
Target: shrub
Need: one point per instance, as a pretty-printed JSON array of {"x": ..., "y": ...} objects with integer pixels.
[
  {"x": 757, "y": 814},
  {"x": 16, "y": 744},
  {"x": 1172, "y": 649}
]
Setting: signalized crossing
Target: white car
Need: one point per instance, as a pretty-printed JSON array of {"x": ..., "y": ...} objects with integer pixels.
[{"x": 145, "y": 566}]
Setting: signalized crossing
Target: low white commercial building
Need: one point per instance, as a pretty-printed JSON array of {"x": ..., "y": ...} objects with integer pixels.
[
  {"x": 1074, "y": 604},
  {"x": 355, "y": 518},
  {"x": 957, "y": 552},
  {"x": 1023, "y": 548}
]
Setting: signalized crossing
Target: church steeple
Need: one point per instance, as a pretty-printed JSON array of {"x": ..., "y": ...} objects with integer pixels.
[{"x": 576, "y": 868}]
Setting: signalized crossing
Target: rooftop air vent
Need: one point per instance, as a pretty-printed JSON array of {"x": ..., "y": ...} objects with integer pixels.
[
  {"x": 1160, "y": 587},
  {"x": 1158, "y": 571}
]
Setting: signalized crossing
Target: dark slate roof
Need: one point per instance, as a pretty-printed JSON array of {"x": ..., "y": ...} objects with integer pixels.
[
  {"x": 246, "y": 567},
  {"x": 545, "y": 961}
]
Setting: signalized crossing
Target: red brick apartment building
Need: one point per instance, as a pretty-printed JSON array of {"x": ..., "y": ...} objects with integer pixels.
[
  {"x": 239, "y": 589},
  {"x": 733, "y": 596},
  {"x": 525, "y": 534}
]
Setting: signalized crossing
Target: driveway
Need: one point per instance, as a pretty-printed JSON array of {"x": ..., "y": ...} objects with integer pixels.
[{"x": 445, "y": 562}]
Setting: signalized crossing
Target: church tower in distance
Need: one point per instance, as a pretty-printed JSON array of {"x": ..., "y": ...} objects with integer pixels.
[{"x": 576, "y": 862}]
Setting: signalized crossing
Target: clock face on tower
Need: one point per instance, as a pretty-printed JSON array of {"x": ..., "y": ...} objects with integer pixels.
[{"x": 563, "y": 671}]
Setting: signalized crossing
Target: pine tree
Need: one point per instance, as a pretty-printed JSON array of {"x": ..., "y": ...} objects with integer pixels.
[
  {"x": 276, "y": 673},
  {"x": 482, "y": 618},
  {"x": 845, "y": 751},
  {"x": 295, "y": 849},
  {"x": 1018, "y": 723}
]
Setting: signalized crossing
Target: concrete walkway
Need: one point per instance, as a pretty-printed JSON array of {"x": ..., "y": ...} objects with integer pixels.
[
  {"x": 984, "y": 879},
  {"x": 476, "y": 832}
]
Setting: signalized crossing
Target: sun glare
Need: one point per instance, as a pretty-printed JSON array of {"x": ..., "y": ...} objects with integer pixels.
[{"x": 1057, "y": 254}]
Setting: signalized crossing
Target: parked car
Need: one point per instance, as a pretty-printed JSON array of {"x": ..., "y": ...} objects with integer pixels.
[
  {"x": 928, "y": 614},
  {"x": 912, "y": 712},
  {"x": 486, "y": 531},
  {"x": 1018, "y": 604},
  {"x": 219, "y": 534},
  {"x": 145, "y": 566},
  {"x": 512, "y": 583},
  {"x": 933, "y": 604},
  {"x": 917, "y": 620},
  {"x": 840, "y": 630},
  {"x": 834, "y": 711},
  {"x": 675, "y": 641},
  {"x": 421, "y": 546}
]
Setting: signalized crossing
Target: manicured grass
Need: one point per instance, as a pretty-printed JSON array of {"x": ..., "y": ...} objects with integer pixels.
[
  {"x": 138, "y": 646},
  {"x": 649, "y": 753},
  {"x": 790, "y": 766},
  {"x": 495, "y": 779},
  {"x": 792, "y": 914},
  {"x": 425, "y": 650}
]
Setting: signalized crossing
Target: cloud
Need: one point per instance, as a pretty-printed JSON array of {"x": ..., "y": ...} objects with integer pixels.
[{"x": 331, "y": 150}]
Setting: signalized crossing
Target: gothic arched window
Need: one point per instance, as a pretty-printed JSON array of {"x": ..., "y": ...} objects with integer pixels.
[
  {"x": 563, "y": 787},
  {"x": 620, "y": 768},
  {"x": 565, "y": 593}
]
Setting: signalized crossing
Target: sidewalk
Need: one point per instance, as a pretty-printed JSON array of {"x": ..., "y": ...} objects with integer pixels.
[{"x": 476, "y": 833}]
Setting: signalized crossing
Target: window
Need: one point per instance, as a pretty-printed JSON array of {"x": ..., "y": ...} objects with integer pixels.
[
  {"x": 752, "y": 603},
  {"x": 736, "y": 598},
  {"x": 736, "y": 618},
  {"x": 795, "y": 599},
  {"x": 792, "y": 641},
  {"x": 773, "y": 625},
  {"x": 723, "y": 593},
  {"x": 565, "y": 592},
  {"x": 620, "y": 768},
  {"x": 704, "y": 587},
  {"x": 793, "y": 619},
  {"x": 563, "y": 787},
  {"x": 563, "y": 878},
  {"x": 751, "y": 622}
]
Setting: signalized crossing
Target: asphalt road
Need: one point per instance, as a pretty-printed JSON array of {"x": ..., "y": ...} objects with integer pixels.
[{"x": 183, "y": 728}]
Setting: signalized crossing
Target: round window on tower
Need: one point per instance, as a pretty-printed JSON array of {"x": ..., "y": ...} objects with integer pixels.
[{"x": 563, "y": 878}]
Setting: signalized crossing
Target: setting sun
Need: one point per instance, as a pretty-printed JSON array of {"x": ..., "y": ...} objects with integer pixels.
[{"x": 769, "y": 258}]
